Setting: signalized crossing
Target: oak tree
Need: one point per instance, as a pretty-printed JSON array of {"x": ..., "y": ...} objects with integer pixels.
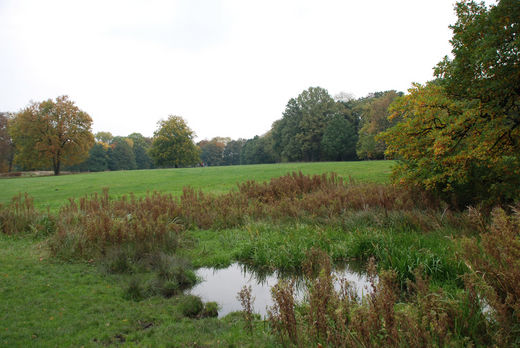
[
  {"x": 51, "y": 134},
  {"x": 460, "y": 135}
]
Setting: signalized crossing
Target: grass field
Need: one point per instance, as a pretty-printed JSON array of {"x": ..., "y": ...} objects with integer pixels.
[
  {"x": 53, "y": 191},
  {"x": 108, "y": 271}
]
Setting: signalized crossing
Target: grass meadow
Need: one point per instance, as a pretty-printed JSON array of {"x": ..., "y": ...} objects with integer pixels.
[
  {"x": 111, "y": 267},
  {"x": 53, "y": 191}
]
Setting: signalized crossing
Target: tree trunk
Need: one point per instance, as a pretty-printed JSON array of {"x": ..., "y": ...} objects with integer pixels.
[{"x": 57, "y": 167}]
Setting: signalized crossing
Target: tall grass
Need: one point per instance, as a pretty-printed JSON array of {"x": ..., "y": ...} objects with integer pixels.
[
  {"x": 337, "y": 318},
  {"x": 494, "y": 262},
  {"x": 95, "y": 225},
  {"x": 20, "y": 217}
]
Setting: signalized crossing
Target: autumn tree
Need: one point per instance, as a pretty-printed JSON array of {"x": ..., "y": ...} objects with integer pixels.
[
  {"x": 460, "y": 135},
  {"x": 212, "y": 151},
  {"x": 51, "y": 134},
  {"x": 373, "y": 112},
  {"x": 104, "y": 137},
  {"x": 172, "y": 144}
]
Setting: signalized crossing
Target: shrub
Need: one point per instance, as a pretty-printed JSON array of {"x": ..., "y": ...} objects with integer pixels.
[
  {"x": 191, "y": 306},
  {"x": 210, "y": 310}
]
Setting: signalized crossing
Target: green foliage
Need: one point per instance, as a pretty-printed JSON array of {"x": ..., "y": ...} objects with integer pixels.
[
  {"x": 299, "y": 134},
  {"x": 141, "y": 146},
  {"x": 191, "y": 306},
  {"x": 339, "y": 139},
  {"x": 210, "y": 310},
  {"x": 97, "y": 159},
  {"x": 173, "y": 145},
  {"x": 121, "y": 155},
  {"x": 232, "y": 151},
  {"x": 258, "y": 150}
]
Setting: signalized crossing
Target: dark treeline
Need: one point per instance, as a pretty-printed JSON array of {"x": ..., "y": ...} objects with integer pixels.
[
  {"x": 117, "y": 153},
  {"x": 313, "y": 127}
]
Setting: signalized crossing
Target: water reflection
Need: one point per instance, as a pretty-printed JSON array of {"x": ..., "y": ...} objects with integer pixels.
[{"x": 222, "y": 285}]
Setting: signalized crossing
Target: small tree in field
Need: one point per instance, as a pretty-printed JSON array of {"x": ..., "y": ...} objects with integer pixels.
[
  {"x": 173, "y": 145},
  {"x": 51, "y": 134}
]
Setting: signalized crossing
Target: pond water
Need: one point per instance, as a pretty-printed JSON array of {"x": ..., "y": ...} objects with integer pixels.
[{"x": 223, "y": 285}]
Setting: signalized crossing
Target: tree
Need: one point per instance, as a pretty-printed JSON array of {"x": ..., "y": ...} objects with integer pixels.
[
  {"x": 258, "y": 150},
  {"x": 51, "y": 134},
  {"x": 287, "y": 143},
  {"x": 120, "y": 154},
  {"x": 98, "y": 158},
  {"x": 298, "y": 135},
  {"x": 374, "y": 120},
  {"x": 141, "y": 145},
  {"x": 173, "y": 144},
  {"x": 6, "y": 143},
  {"x": 339, "y": 139},
  {"x": 232, "y": 151},
  {"x": 104, "y": 137},
  {"x": 212, "y": 151},
  {"x": 460, "y": 135}
]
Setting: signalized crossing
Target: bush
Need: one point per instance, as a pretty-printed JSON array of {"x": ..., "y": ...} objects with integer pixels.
[
  {"x": 191, "y": 306},
  {"x": 210, "y": 310}
]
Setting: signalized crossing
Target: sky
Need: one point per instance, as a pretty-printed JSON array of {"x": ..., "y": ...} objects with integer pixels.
[{"x": 228, "y": 67}]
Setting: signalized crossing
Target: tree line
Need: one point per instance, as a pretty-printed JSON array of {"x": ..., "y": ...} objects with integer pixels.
[
  {"x": 314, "y": 127},
  {"x": 56, "y": 134}
]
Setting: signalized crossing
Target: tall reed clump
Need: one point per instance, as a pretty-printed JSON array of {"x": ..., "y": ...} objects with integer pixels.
[
  {"x": 326, "y": 196},
  {"x": 494, "y": 262},
  {"x": 20, "y": 216},
  {"x": 94, "y": 226},
  {"x": 334, "y": 316}
]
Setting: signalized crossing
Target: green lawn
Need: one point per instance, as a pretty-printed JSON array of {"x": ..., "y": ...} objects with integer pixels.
[
  {"x": 48, "y": 303},
  {"x": 54, "y": 191}
]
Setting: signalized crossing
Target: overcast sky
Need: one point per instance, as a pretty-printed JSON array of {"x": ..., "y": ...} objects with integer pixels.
[{"x": 227, "y": 67}]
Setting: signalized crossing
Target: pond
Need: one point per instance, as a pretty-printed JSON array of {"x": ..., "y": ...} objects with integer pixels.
[{"x": 223, "y": 285}]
